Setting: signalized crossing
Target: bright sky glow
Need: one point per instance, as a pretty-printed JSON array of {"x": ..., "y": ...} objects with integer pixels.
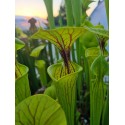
[{"x": 35, "y": 8}]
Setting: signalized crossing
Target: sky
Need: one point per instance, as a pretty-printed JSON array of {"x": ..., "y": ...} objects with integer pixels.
[{"x": 37, "y": 8}]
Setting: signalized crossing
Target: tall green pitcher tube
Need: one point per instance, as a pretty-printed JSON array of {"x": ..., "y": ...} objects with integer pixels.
[{"x": 65, "y": 88}]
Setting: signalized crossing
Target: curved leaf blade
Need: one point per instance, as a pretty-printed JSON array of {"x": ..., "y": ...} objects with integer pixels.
[
  {"x": 39, "y": 110},
  {"x": 100, "y": 67},
  {"x": 99, "y": 31},
  {"x": 22, "y": 89},
  {"x": 35, "y": 52},
  {"x": 94, "y": 52},
  {"x": 19, "y": 44},
  {"x": 51, "y": 91},
  {"x": 65, "y": 88},
  {"x": 88, "y": 40},
  {"x": 58, "y": 70},
  {"x": 62, "y": 38}
]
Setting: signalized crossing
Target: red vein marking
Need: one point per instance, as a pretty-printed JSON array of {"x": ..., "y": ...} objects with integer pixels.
[
  {"x": 61, "y": 37},
  {"x": 57, "y": 41}
]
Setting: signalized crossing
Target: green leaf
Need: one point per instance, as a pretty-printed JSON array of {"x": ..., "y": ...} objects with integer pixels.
[
  {"x": 19, "y": 44},
  {"x": 62, "y": 38},
  {"x": 51, "y": 91},
  {"x": 20, "y": 34},
  {"x": 76, "y": 9},
  {"x": 60, "y": 71},
  {"x": 49, "y": 8},
  {"x": 88, "y": 40},
  {"x": 85, "y": 6},
  {"x": 105, "y": 116},
  {"x": 22, "y": 89},
  {"x": 41, "y": 66},
  {"x": 86, "y": 3},
  {"x": 35, "y": 52},
  {"x": 39, "y": 110},
  {"x": 100, "y": 67},
  {"x": 96, "y": 101},
  {"x": 65, "y": 88},
  {"x": 107, "y": 9},
  {"x": 77, "y": 116},
  {"x": 98, "y": 93},
  {"x": 94, "y": 52},
  {"x": 99, "y": 31}
]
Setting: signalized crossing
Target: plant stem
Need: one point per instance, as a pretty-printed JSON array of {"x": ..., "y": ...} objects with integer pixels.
[
  {"x": 86, "y": 67},
  {"x": 73, "y": 52},
  {"x": 107, "y": 9},
  {"x": 69, "y": 16},
  {"x": 49, "y": 7},
  {"x": 105, "y": 118},
  {"x": 77, "y": 9}
]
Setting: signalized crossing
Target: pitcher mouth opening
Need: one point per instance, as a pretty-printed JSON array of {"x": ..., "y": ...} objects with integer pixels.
[{"x": 54, "y": 71}]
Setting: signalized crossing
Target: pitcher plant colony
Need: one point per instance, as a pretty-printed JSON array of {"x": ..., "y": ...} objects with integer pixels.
[{"x": 60, "y": 71}]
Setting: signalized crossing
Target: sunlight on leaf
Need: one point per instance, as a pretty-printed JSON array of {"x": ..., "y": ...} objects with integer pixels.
[
  {"x": 51, "y": 91},
  {"x": 60, "y": 71},
  {"x": 65, "y": 88},
  {"x": 88, "y": 40},
  {"x": 62, "y": 38},
  {"x": 39, "y": 110},
  {"x": 100, "y": 67},
  {"x": 19, "y": 44},
  {"x": 22, "y": 89},
  {"x": 94, "y": 52},
  {"x": 35, "y": 52},
  {"x": 98, "y": 31}
]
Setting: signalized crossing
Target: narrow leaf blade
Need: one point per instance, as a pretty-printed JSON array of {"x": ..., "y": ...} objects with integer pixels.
[{"x": 41, "y": 64}]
